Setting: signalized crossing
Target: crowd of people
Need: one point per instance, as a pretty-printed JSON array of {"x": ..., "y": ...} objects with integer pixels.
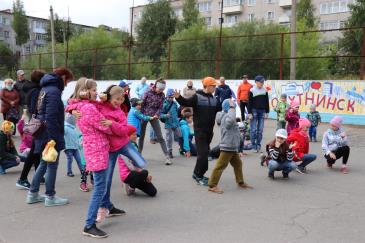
[{"x": 100, "y": 130}]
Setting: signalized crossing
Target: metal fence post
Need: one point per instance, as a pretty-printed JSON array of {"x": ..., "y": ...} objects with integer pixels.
[
  {"x": 362, "y": 58},
  {"x": 40, "y": 61},
  {"x": 281, "y": 55},
  {"x": 129, "y": 59},
  {"x": 94, "y": 63},
  {"x": 168, "y": 58}
]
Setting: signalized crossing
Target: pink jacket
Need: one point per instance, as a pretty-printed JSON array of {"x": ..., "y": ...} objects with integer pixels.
[
  {"x": 26, "y": 138},
  {"x": 94, "y": 141},
  {"x": 119, "y": 137},
  {"x": 124, "y": 171},
  {"x": 292, "y": 119}
]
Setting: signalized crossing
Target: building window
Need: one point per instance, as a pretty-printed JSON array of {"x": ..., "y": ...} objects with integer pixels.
[
  {"x": 204, "y": 6},
  {"x": 270, "y": 15},
  {"x": 328, "y": 25},
  {"x": 228, "y": 3},
  {"x": 6, "y": 34},
  {"x": 343, "y": 23},
  {"x": 232, "y": 19},
  {"x": 251, "y": 17},
  {"x": 178, "y": 12},
  {"x": 27, "y": 49},
  {"x": 251, "y": 2},
  {"x": 334, "y": 7},
  {"x": 208, "y": 21},
  {"x": 5, "y": 21},
  {"x": 270, "y": 1}
]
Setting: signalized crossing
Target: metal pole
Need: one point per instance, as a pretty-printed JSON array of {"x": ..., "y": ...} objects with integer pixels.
[
  {"x": 219, "y": 54},
  {"x": 67, "y": 36},
  {"x": 168, "y": 58},
  {"x": 293, "y": 40},
  {"x": 281, "y": 55},
  {"x": 130, "y": 43},
  {"x": 362, "y": 58},
  {"x": 53, "y": 39}
]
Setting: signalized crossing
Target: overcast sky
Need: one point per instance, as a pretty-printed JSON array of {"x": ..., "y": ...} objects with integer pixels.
[{"x": 114, "y": 13}]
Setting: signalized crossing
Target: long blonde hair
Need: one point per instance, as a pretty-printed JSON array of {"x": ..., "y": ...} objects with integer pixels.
[{"x": 82, "y": 88}]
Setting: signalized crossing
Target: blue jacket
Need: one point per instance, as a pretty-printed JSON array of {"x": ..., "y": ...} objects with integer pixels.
[
  {"x": 135, "y": 117},
  {"x": 186, "y": 134},
  {"x": 72, "y": 137},
  {"x": 52, "y": 112},
  {"x": 173, "y": 120},
  {"x": 223, "y": 92}
]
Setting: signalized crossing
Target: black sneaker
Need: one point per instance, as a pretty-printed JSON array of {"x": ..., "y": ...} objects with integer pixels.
[
  {"x": 115, "y": 212},
  {"x": 285, "y": 175},
  {"x": 94, "y": 232},
  {"x": 203, "y": 181},
  {"x": 205, "y": 178},
  {"x": 70, "y": 174},
  {"x": 23, "y": 184},
  {"x": 271, "y": 175}
]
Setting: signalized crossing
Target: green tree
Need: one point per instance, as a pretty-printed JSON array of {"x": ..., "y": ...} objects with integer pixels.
[
  {"x": 305, "y": 14},
  {"x": 60, "y": 30},
  {"x": 20, "y": 23},
  {"x": 190, "y": 14},
  {"x": 7, "y": 61},
  {"x": 158, "y": 23}
]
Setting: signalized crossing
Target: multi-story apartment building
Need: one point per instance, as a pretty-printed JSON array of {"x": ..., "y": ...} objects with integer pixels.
[
  {"x": 37, "y": 32},
  {"x": 331, "y": 14}
]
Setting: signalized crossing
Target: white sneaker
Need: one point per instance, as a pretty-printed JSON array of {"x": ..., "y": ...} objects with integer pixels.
[{"x": 168, "y": 161}]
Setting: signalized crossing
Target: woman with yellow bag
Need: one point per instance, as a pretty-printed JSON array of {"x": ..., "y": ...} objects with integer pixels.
[{"x": 51, "y": 112}]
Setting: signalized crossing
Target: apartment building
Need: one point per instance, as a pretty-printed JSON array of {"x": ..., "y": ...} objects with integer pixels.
[
  {"x": 37, "y": 32},
  {"x": 332, "y": 14}
]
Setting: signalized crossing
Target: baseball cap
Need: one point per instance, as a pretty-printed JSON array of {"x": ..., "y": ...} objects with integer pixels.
[
  {"x": 123, "y": 83},
  {"x": 209, "y": 81},
  {"x": 19, "y": 72}
]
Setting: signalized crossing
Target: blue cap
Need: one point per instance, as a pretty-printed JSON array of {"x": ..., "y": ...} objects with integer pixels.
[
  {"x": 124, "y": 83},
  {"x": 170, "y": 92},
  {"x": 260, "y": 78},
  {"x": 225, "y": 105}
]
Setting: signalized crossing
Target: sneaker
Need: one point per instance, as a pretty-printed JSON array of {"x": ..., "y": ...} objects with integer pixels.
[
  {"x": 210, "y": 158},
  {"x": 115, "y": 212},
  {"x": 168, "y": 161},
  {"x": 285, "y": 175},
  {"x": 55, "y": 201},
  {"x": 215, "y": 190},
  {"x": 70, "y": 174},
  {"x": 2, "y": 171},
  {"x": 301, "y": 170},
  {"x": 102, "y": 213},
  {"x": 170, "y": 155},
  {"x": 262, "y": 159},
  {"x": 181, "y": 152},
  {"x": 43, "y": 181},
  {"x": 129, "y": 190},
  {"x": 23, "y": 184},
  {"x": 271, "y": 175},
  {"x": 344, "y": 170},
  {"x": 94, "y": 232},
  {"x": 204, "y": 178},
  {"x": 202, "y": 182},
  {"x": 34, "y": 198},
  {"x": 83, "y": 187}
]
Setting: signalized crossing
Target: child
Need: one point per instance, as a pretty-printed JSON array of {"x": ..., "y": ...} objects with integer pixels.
[
  {"x": 8, "y": 155},
  {"x": 187, "y": 147},
  {"x": 135, "y": 115},
  {"x": 280, "y": 109},
  {"x": 26, "y": 143},
  {"x": 292, "y": 116},
  {"x": 136, "y": 178},
  {"x": 84, "y": 173},
  {"x": 315, "y": 118},
  {"x": 258, "y": 109},
  {"x": 72, "y": 144},
  {"x": 230, "y": 142},
  {"x": 280, "y": 155},
  {"x": 335, "y": 144},
  {"x": 299, "y": 136},
  {"x": 169, "y": 114}
]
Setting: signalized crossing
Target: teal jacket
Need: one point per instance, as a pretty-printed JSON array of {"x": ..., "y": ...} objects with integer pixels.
[
  {"x": 186, "y": 133},
  {"x": 72, "y": 137},
  {"x": 173, "y": 120}
]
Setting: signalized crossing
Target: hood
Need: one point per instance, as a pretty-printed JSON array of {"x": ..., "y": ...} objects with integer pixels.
[
  {"x": 219, "y": 117},
  {"x": 52, "y": 79}
]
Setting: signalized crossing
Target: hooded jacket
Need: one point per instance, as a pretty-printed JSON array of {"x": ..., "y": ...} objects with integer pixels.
[
  {"x": 293, "y": 120},
  {"x": 173, "y": 120},
  {"x": 135, "y": 117},
  {"x": 302, "y": 143},
  {"x": 230, "y": 134},
  {"x": 223, "y": 92}
]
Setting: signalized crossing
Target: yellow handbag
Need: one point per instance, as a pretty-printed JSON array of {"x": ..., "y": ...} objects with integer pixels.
[{"x": 49, "y": 153}]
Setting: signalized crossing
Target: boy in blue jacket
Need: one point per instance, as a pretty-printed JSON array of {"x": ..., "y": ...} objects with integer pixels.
[
  {"x": 72, "y": 144},
  {"x": 187, "y": 148},
  {"x": 135, "y": 116}
]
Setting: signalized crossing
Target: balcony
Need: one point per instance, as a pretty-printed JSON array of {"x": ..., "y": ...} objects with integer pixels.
[
  {"x": 284, "y": 19},
  {"x": 232, "y": 9},
  {"x": 285, "y": 3}
]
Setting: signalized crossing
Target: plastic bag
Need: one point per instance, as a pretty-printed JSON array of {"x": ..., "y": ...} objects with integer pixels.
[{"x": 49, "y": 153}]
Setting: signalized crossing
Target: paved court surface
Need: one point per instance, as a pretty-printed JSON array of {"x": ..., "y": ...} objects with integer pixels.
[{"x": 322, "y": 206}]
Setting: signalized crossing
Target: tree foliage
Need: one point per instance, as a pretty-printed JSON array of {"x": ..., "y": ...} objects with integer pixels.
[
  {"x": 60, "y": 30},
  {"x": 190, "y": 15},
  {"x": 7, "y": 62},
  {"x": 20, "y": 23},
  {"x": 305, "y": 14}
]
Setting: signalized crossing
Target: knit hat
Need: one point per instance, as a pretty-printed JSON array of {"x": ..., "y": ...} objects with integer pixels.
[
  {"x": 170, "y": 92},
  {"x": 336, "y": 121},
  {"x": 131, "y": 130},
  {"x": 209, "y": 81},
  {"x": 282, "y": 133},
  {"x": 70, "y": 119},
  {"x": 226, "y": 105},
  {"x": 7, "y": 126},
  {"x": 260, "y": 78},
  {"x": 304, "y": 122},
  {"x": 135, "y": 102},
  {"x": 283, "y": 95},
  {"x": 123, "y": 83},
  {"x": 294, "y": 104}
]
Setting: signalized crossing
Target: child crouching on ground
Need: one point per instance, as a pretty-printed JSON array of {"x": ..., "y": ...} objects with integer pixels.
[
  {"x": 8, "y": 155},
  {"x": 135, "y": 178},
  {"x": 187, "y": 147},
  {"x": 229, "y": 145}
]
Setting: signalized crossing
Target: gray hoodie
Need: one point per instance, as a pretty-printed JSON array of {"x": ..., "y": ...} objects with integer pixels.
[{"x": 230, "y": 134}]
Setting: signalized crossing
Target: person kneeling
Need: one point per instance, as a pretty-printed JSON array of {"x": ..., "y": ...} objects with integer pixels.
[{"x": 280, "y": 155}]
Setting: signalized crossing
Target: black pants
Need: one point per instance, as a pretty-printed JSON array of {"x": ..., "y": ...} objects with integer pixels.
[
  {"x": 343, "y": 152},
  {"x": 138, "y": 180},
  {"x": 202, "y": 140},
  {"x": 32, "y": 159},
  {"x": 243, "y": 106}
]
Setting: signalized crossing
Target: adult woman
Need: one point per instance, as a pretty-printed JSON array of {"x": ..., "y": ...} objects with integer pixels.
[
  {"x": 9, "y": 101},
  {"x": 151, "y": 106},
  {"x": 52, "y": 112}
]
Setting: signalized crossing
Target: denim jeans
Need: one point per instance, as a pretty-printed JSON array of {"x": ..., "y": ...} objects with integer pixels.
[
  {"x": 257, "y": 127},
  {"x": 285, "y": 166},
  {"x": 95, "y": 200},
  {"x": 313, "y": 132},
  {"x": 8, "y": 163},
  {"x": 70, "y": 154},
  {"x": 307, "y": 159},
  {"x": 51, "y": 169},
  {"x": 137, "y": 160}
]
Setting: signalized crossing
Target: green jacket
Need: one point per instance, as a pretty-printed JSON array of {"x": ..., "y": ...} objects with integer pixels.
[
  {"x": 7, "y": 148},
  {"x": 281, "y": 110}
]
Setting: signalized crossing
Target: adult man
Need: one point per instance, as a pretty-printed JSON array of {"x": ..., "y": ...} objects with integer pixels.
[
  {"x": 223, "y": 91},
  {"x": 142, "y": 88},
  {"x": 242, "y": 95},
  {"x": 205, "y": 107},
  {"x": 20, "y": 86}
]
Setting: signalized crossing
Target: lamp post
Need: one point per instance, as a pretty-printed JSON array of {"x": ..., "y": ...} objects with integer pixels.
[{"x": 219, "y": 54}]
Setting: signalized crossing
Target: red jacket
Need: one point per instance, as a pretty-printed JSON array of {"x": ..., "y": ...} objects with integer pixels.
[
  {"x": 7, "y": 97},
  {"x": 302, "y": 146}
]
